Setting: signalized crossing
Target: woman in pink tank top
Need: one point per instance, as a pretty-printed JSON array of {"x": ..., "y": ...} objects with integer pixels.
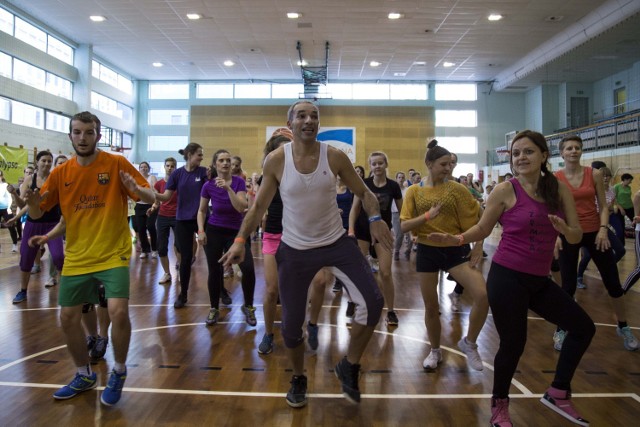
[{"x": 533, "y": 208}]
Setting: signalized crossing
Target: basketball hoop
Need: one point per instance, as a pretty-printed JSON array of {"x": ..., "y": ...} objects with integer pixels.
[{"x": 502, "y": 155}]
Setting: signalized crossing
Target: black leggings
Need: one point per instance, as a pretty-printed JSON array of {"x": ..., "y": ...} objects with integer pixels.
[
  {"x": 184, "y": 234},
  {"x": 5, "y": 216},
  {"x": 511, "y": 294},
  {"x": 218, "y": 241},
  {"x": 144, "y": 223},
  {"x": 605, "y": 261}
]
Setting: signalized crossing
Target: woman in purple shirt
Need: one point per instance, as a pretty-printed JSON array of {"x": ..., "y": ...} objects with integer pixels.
[
  {"x": 187, "y": 181},
  {"x": 228, "y": 197},
  {"x": 533, "y": 208}
]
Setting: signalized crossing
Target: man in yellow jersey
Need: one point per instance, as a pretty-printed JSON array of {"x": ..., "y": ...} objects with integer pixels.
[{"x": 92, "y": 190}]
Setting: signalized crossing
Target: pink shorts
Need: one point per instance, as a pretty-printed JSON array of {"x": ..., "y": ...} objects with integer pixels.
[{"x": 270, "y": 243}]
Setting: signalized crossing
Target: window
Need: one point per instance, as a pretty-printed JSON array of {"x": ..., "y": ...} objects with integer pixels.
[
  {"x": 408, "y": 91},
  {"x": 257, "y": 91},
  {"x": 6, "y": 21},
  {"x": 340, "y": 91},
  {"x": 125, "y": 84},
  {"x": 28, "y": 74},
  {"x": 212, "y": 90},
  {"x": 27, "y": 115},
  {"x": 168, "y": 90},
  {"x": 456, "y": 118},
  {"x": 370, "y": 91},
  {"x": 459, "y": 144},
  {"x": 5, "y": 108},
  {"x": 286, "y": 91},
  {"x": 5, "y": 65},
  {"x": 60, "y": 50},
  {"x": 168, "y": 117},
  {"x": 166, "y": 143},
  {"x": 104, "y": 104},
  {"x": 110, "y": 77},
  {"x": 58, "y": 86},
  {"x": 456, "y": 92},
  {"x": 31, "y": 35},
  {"x": 57, "y": 122},
  {"x": 465, "y": 168}
]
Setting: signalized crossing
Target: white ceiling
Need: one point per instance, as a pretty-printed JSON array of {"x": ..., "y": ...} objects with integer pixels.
[{"x": 589, "y": 40}]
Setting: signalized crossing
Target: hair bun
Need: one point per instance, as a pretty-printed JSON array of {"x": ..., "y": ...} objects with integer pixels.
[
  {"x": 181, "y": 151},
  {"x": 433, "y": 143}
]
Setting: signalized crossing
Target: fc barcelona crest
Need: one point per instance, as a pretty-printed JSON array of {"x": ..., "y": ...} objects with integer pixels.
[{"x": 103, "y": 178}]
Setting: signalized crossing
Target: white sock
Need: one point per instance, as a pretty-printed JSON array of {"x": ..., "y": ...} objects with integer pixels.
[
  {"x": 120, "y": 368},
  {"x": 85, "y": 370}
]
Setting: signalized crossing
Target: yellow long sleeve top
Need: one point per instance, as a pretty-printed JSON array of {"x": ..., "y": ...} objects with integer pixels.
[{"x": 458, "y": 211}]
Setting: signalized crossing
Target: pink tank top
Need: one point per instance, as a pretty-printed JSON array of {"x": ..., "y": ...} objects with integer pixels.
[
  {"x": 528, "y": 238},
  {"x": 585, "y": 198}
]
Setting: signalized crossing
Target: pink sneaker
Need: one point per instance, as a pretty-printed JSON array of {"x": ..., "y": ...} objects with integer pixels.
[
  {"x": 560, "y": 401},
  {"x": 500, "y": 413}
]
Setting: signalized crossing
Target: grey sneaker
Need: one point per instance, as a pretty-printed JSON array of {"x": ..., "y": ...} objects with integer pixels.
[
  {"x": 630, "y": 342},
  {"x": 212, "y": 318},
  {"x": 250, "y": 314},
  {"x": 432, "y": 361},
  {"x": 558, "y": 339},
  {"x": 348, "y": 374},
  {"x": 312, "y": 336},
  {"x": 297, "y": 395},
  {"x": 100, "y": 348},
  {"x": 266, "y": 346}
]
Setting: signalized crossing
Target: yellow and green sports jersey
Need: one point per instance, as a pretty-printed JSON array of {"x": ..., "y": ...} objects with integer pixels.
[
  {"x": 458, "y": 212},
  {"x": 93, "y": 201}
]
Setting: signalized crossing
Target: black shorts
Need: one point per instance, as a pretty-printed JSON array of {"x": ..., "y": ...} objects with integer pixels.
[{"x": 431, "y": 259}]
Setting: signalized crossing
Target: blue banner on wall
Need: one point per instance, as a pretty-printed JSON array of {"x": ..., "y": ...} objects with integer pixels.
[{"x": 343, "y": 138}]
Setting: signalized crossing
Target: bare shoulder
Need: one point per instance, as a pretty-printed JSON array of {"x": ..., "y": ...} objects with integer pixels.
[
  {"x": 274, "y": 164},
  {"x": 502, "y": 192},
  {"x": 338, "y": 160}
]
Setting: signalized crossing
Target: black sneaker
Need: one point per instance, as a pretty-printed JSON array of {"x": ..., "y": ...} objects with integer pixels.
[
  {"x": 392, "y": 318},
  {"x": 91, "y": 342},
  {"x": 180, "y": 302},
  {"x": 100, "y": 349},
  {"x": 351, "y": 309},
  {"x": 225, "y": 297},
  {"x": 348, "y": 374},
  {"x": 297, "y": 395}
]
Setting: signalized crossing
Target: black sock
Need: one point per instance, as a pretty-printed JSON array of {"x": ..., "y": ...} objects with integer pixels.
[
  {"x": 312, "y": 324},
  {"x": 622, "y": 324}
]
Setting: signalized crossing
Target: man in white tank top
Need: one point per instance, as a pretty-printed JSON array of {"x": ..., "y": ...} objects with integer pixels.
[{"x": 313, "y": 238}]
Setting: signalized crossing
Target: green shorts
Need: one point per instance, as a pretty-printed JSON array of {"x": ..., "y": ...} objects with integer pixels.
[{"x": 77, "y": 290}]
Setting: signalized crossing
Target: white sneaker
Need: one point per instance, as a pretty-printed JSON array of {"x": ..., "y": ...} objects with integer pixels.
[
  {"x": 433, "y": 359},
  {"x": 143, "y": 255},
  {"x": 471, "y": 350},
  {"x": 154, "y": 254},
  {"x": 373, "y": 263},
  {"x": 14, "y": 249},
  {"x": 165, "y": 279},
  {"x": 630, "y": 342},
  {"x": 455, "y": 302}
]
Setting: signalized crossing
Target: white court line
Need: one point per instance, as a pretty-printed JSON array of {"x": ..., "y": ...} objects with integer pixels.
[{"x": 323, "y": 395}]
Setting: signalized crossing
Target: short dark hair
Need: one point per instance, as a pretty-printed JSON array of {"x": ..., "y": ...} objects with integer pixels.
[
  {"x": 86, "y": 117},
  {"x": 598, "y": 164},
  {"x": 626, "y": 176}
]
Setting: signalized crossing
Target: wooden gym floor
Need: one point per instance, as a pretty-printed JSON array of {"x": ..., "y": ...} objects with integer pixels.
[{"x": 181, "y": 372}]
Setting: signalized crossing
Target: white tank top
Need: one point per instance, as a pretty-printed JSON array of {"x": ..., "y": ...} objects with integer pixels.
[{"x": 310, "y": 216}]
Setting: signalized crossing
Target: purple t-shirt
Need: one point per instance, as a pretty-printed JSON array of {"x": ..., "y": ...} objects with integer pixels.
[
  {"x": 188, "y": 185},
  {"x": 223, "y": 214},
  {"x": 528, "y": 238}
]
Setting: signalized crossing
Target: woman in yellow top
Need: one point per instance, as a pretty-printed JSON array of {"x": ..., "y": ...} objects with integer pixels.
[{"x": 441, "y": 205}]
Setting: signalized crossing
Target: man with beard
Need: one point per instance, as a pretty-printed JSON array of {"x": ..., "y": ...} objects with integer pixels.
[{"x": 92, "y": 190}]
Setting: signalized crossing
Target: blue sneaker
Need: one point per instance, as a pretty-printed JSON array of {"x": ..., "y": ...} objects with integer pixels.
[
  {"x": 79, "y": 384},
  {"x": 113, "y": 391},
  {"x": 20, "y": 297},
  {"x": 312, "y": 336}
]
